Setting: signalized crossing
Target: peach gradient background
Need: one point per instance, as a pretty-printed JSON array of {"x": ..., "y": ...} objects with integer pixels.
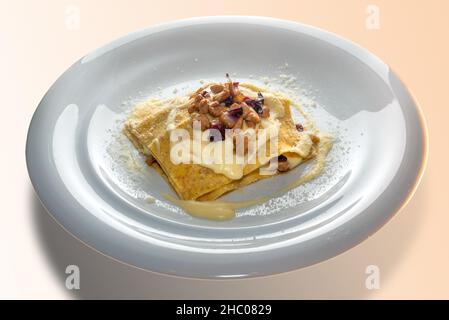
[{"x": 36, "y": 47}]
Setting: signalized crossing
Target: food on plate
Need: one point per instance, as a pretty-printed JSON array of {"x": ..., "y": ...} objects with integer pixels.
[{"x": 223, "y": 137}]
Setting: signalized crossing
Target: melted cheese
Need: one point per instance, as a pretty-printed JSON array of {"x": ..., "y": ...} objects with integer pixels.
[{"x": 233, "y": 169}]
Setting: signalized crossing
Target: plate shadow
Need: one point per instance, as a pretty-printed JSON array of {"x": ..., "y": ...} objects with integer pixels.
[{"x": 341, "y": 277}]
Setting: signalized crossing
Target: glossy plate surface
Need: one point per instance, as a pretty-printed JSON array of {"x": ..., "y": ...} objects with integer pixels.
[{"x": 95, "y": 185}]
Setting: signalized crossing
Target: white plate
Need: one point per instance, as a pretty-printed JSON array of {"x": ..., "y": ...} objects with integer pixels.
[{"x": 80, "y": 169}]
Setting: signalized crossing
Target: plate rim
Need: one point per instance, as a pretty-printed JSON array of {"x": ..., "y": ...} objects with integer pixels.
[{"x": 266, "y": 21}]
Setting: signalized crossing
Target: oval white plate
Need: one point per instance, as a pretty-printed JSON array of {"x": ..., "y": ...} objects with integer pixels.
[{"x": 80, "y": 169}]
